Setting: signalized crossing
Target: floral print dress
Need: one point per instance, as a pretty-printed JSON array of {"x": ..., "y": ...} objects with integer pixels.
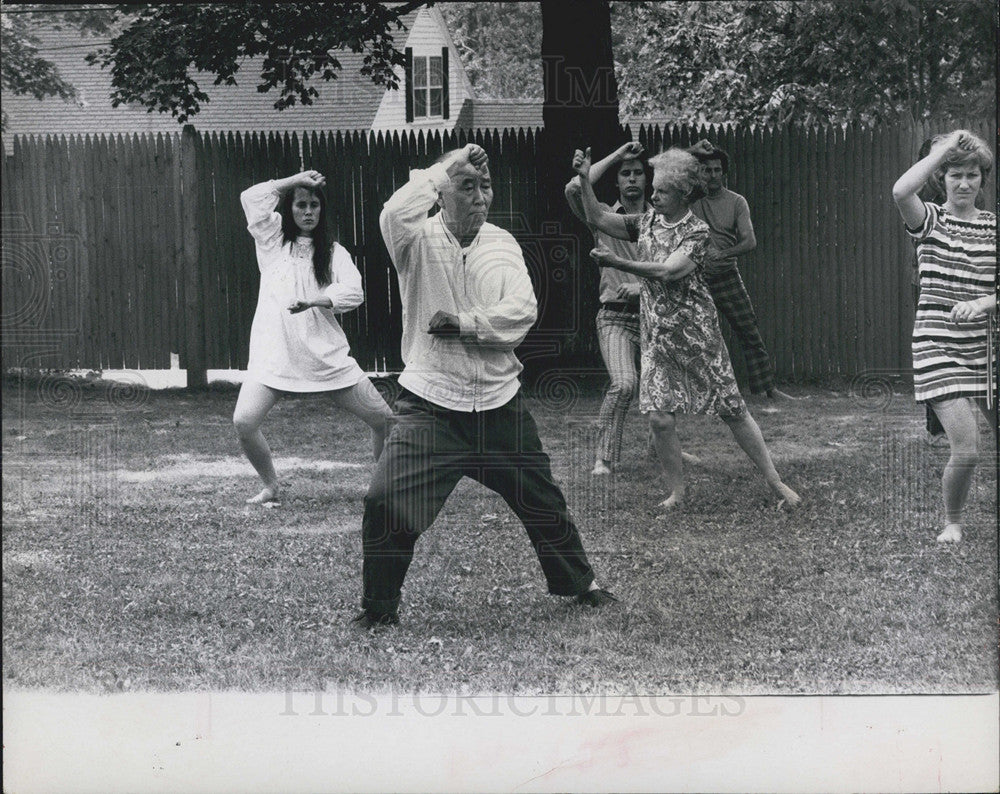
[{"x": 685, "y": 363}]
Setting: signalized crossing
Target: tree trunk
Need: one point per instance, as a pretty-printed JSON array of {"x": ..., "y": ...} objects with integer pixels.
[{"x": 581, "y": 109}]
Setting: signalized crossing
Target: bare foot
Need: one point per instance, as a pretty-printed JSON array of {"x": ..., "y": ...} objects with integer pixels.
[
  {"x": 691, "y": 459},
  {"x": 952, "y": 534},
  {"x": 601, "y": 467},
  {"x": 675, "y": 500},
  {"x": 785, "y": 494},
  {"x": 268, "y": 495}
]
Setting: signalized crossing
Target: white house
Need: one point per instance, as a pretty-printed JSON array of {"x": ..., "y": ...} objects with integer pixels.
[{"x": 434, "y": 94}]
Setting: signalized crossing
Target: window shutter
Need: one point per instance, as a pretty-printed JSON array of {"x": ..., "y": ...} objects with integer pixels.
[
  {"x": 409, "y": 84},
  {"x": 444, "y": 82}
]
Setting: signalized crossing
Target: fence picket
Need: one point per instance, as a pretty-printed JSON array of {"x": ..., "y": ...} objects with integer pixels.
[{"x": 829, "y": 278}]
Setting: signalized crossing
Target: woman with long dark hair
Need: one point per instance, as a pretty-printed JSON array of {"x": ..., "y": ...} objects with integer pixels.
[{"x": 296, "y": 343}]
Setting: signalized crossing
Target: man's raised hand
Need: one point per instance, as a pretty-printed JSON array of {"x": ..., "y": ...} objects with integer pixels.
[
  {"x": 703, "y": 147},
  {"x": 476, "y": 155},
  {"x": 629, "y": 151},
  {"x": 581, "y": 163}
]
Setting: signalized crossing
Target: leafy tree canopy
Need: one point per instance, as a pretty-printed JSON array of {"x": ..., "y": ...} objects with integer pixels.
[
  {"x": 765, "y": 61},
  {"x": 500, "y": 45},
  {"x": 152, "y": 58},
  {"x": 773, "y": 61},
  {"x": 22, "y": 69}
]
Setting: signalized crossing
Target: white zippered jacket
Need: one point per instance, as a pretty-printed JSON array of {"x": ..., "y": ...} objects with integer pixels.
[{"x": 486, "y": 285}]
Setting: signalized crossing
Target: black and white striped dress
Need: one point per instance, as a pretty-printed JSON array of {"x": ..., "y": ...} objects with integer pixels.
[{"x": 957, "y": 261}]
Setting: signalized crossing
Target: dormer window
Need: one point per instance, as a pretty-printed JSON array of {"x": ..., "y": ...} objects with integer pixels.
[{"x": 426, "y": 86}]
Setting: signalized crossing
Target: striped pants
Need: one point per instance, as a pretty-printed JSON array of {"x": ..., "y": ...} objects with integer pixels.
[
  {"x": 733, "y": 302},
  {"x": 618, "y": 335}
]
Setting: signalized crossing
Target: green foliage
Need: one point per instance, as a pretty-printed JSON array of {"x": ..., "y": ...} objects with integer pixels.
[
  {"x": 500, "y": 45},
  {"x": 22, "y": 69},
  {"x": 771, "y": 61},
  {"x": 764, "y": 61},
  {"x": 159, "y": 47}
]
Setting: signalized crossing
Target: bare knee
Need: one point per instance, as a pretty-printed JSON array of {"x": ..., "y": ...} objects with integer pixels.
[
  {"x": 963, "y": 439},
  {"x": 964, "y": 448},
  {"x": 246, "y": 424},
  {"x": 735, "y": 420},
  {"x": 379, "y": 422},
  {"x": 662, "y": 423}
]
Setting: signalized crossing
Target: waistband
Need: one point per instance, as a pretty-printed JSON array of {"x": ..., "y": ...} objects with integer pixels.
[{"x": 622, "y": 307}]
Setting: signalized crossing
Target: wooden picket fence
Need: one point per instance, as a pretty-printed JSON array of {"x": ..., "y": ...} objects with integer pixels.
[{"x": 120, "y": 250}]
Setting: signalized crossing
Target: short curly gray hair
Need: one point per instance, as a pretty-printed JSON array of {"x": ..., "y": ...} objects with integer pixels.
[{"x": 680, "y": 169}]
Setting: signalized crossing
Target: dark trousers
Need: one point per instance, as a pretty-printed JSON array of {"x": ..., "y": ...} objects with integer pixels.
[
  {"x": 428, "y": 450},
  {"x": 733, "y": 302}
]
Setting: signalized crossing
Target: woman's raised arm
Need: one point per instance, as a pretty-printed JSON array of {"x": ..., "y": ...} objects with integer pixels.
[
  {"x": 905, "y": 191},
  {"x": 598, "y": 217}
]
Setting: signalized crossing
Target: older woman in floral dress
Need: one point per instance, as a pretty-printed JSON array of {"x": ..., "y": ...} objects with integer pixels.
[{"x": 685, "y": 364}]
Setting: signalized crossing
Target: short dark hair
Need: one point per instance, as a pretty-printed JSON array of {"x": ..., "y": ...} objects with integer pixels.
[
  {"x": 716, "y": 154},
  {"x": 642, "y": 159}
]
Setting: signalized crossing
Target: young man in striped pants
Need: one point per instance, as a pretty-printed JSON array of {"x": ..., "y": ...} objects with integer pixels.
[
  {"x": 618, "y": 317},
  {"x": 728, "y": 217}
]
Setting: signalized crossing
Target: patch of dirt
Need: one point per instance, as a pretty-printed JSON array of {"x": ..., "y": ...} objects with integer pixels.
[{"x": 18, "y": 562}]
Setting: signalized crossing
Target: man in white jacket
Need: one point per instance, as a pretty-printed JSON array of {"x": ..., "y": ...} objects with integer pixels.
[{"x": 467, "y": 303}]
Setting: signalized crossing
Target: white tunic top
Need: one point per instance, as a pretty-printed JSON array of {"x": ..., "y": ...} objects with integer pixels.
[
  {"x": 486, "y": 285},
  {"x": 307, "y": 351}
]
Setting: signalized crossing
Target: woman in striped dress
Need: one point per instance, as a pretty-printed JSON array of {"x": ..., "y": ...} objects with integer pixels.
[{"x": 957, "y": 260}]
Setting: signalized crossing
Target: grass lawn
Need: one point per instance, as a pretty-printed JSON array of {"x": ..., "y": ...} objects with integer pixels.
[{"x": 130, "y": 561}]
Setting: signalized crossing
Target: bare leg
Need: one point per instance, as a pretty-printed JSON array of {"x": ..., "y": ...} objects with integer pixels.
[
  {"x": 668, "y": 450},
  {"x": 990, "y": 414},
  {"x": 747, "y": 434},
  {"x": 958, "y": 418},
  {"x": 364, "y": 401},
  {"x": 688, "y": 457},
  {"x": 252, "y": 406}
]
